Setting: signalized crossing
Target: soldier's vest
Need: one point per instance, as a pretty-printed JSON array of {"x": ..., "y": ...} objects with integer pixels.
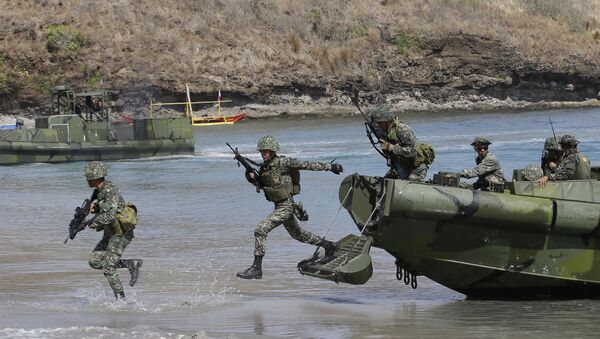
[
  {"x": 583, "y": 171},
  {"x": 279, "y": 183}
]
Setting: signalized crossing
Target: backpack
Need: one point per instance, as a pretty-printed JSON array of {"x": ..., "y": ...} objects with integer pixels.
[
  {"x": 425, "y": 154},
  {"x": 128, "y": 217}
]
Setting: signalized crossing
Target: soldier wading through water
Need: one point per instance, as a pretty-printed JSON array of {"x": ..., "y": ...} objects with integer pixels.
[
  {"x": 113, "y": 216},
  {"x": 279, "y": 177}
]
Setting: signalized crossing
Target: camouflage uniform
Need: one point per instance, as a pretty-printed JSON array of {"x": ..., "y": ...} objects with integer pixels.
[
  {"x": 284, "y": 209},
  {"x": 280, "y": 180},
  {"x": 107, "y": 253},
  {"x": 402, "y": 152},
  {"x": 566, "y": 167},
  {"x": 552, "y": 153},
  {"x": 532, "y": 173},
  {"x": 488, "y": 169}
]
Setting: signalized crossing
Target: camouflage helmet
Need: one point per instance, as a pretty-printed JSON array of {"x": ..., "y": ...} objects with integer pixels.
[
  {"x": 20, "y": 121},
  {"x": 551, "y": 144},
  {"x": 94, "y": 170},
  {"x": 381, "y": 113},
  {"x": 568, "y": 139},
  {"x": 532, "y": 173},
  {"x": 268, "y": 142},
  {"x": 481, "y": 141}
]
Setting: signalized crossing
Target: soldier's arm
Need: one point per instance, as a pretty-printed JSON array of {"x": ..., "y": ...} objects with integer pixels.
[
  {"x": 305, "y": 165},
  {"x": 485, "y": 166},
  {"x": 565, "y": 170},
  {"x": 108, "y": 208},
  {"x": 407, "y": 142}
]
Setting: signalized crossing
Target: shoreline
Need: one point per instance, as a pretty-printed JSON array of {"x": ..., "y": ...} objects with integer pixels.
[{"x": 319, "y": 110}]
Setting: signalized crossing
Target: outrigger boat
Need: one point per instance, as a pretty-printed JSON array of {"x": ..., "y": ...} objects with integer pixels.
[{"x": 217, "y": 119}]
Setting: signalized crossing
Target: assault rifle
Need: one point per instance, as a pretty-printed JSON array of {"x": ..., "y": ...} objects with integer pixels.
[
  {"x": 371, "y": 128},
  {"x": 78, "y": 223},
  {"x": 247, "y": 163}
]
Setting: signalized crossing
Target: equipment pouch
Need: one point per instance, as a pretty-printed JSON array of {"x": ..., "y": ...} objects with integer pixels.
[{"x": 128, "y": 217}]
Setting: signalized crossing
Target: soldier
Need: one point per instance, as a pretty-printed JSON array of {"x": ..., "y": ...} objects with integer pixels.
[
  {"x": 551, "y": 155},
  {"x": 279, "y": 177},
  {"x": 107, "y": 253},
  {"x": 488, "y": 168},
  {"x": 19, "y": 123},
  {"x": 572, "y": 165},
  {"x": 400, "y": 145}
]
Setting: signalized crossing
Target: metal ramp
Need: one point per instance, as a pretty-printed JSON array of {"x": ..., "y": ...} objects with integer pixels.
[{"x": 351, "y": 262}]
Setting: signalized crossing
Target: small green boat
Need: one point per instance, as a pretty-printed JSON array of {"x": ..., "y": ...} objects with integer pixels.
[
  {"x": 79, "y": 129},
  {"x": 519, "y": 242}
]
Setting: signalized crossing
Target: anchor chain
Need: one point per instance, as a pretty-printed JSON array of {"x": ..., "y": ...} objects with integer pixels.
[{"x": 403, "y": 274}]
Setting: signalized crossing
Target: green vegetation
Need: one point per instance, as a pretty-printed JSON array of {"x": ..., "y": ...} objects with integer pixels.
[
  {"x": 408, "y": 42},
  {"x": 93, "y": 81},
  {"x": 558, "y": 10},
  {"x": 62, "y": 37},
  {"x": 3, "y": 76}
]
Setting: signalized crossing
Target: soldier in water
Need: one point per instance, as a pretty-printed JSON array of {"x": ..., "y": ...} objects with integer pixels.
[
  {"x": 488, "y": 170},
  {"x": 107, "y": 254},
  {"x": 279, "y": 178},
  {"x": 573, "y": 165},
  {"x": 400, "y": 147}
]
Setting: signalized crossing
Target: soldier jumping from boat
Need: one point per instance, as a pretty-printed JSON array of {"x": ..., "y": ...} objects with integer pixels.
[{"x": 278, "y": 177}]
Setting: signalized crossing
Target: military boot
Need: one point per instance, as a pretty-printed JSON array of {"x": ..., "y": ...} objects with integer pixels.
[
  {"x": 328, "y": 246},
  {"x": 120, "y": 295},
  {"x": 254, "y": 271},
  {"x": 133, "y": 265}
]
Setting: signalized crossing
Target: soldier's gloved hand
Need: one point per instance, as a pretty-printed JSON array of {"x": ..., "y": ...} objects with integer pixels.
[
  {"x": 386, "y": 146},
  {"x": 337, "y": 168}
]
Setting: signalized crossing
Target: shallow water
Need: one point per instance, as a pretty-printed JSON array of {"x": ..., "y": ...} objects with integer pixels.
[{"x": 197, "y": 215}]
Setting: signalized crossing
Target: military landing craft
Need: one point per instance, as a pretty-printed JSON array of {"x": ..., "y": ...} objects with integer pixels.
[
  {"x": 519, "y": 241},
  {"x": 79, "y": 129}
]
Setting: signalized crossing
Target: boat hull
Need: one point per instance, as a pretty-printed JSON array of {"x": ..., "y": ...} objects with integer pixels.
[
  {"x": 19, "y": 152},
  {"x": 484, "y": 244}
]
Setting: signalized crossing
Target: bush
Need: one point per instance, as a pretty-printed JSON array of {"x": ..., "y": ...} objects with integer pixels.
[
  {"x": 408, "y": 41},
  {"x": 62, "y": 37}
]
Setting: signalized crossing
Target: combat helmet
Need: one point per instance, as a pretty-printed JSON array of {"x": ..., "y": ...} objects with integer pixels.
[
  {"x": 532, "y": 172},
  {"x": 268, "y": 142},
  {"x": 94, "y": 170},
  {"x": 551, "y": 144},
  {"x": 481, "y": 141},
  {"x": 20, "y": 121},
  {"x": 568, "y": 139},
  {"x": 381, "y": 113}
]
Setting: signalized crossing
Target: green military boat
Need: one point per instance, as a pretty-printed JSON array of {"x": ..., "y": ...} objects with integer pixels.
[
  {"x": 517, "y": 242},
  {"x": 78, "y": 128}
]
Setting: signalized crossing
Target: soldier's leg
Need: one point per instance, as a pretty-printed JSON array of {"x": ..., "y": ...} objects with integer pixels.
[
  {"x": 114, "y": 251},
  {"x": 282, "y": 212},
  {"x": 133, "y": 265},
  {"x": 97, "y": 256},
  {"x": 298, "y": 233},
  {"x": 419, "y": 173}
]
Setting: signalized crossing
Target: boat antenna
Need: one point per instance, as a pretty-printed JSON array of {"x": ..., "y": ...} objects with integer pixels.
[{"x": 552, "y": 126}]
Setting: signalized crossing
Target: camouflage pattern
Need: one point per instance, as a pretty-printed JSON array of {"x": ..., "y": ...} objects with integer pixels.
[
  {"x": 106, "y": 256},
  {"x": 551, "y": 144},
  {"x": 381, "y": 113},
  {"x": 532, "y": 173},
  {"x": 488, "y": 171},
  {"x": 268, "y": 142},
  {"x": 566, "y": 167},
  {"x": 481, "y": 141},
  {"x": 283, "y": 214},
  {"x": 276, "y": 175},
  {"x": 94, "y": 170},
  {"x": 568, "y": 139},
  {"x": 529, "y": 242},
  {"x": 110, "y": 202},
  {"x": 402, "y": 152}
]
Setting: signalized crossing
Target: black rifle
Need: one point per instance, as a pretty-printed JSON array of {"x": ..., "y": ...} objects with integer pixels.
[
  {"x": 371, "y": 128},
  {"x": 247, "y": 163},
  {"x": 78, "y": 223}
]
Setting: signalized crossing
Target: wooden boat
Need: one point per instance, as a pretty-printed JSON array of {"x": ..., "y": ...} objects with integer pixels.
[{"x": 218, "y": 120}]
